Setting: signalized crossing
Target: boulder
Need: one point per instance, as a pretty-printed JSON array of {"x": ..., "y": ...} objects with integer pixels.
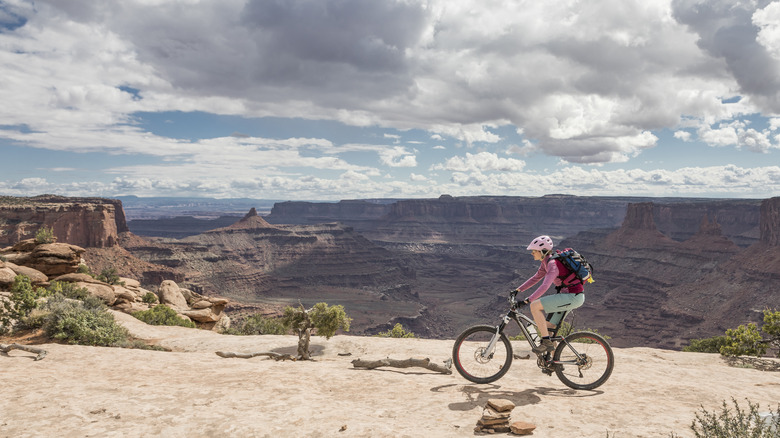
[
  {"x": 202, "y": 315},
  {"x": 202, "y": 304},
  {"x": 123, "y": 293},
  {"x": 76, "y": 277},
  {"x": 171, "y": 295},
  {"x": 55, "y": 258},
  {"x": 7, "y": 276},
  {"x": 36, "y": 276},
  {"x": 100, "y": 290},
  {"x": 131, "y": 283},
  {"x": 130, "y": 307},
  {"x": 25, "y": 245}
]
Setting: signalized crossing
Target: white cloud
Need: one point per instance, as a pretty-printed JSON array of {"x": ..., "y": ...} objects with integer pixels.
[
  {"x": 482, "y": 161},
  {"x": 398, "y": 156},
  {"x": 683, "y": 135}
]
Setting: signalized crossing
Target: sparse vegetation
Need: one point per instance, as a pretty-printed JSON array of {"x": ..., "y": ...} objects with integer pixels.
[
  {"x": 745, "y": 340},
  {"x": 110, "y": 276},
  {"x": 163, "y": 315},
  {"x": 150, "y": 298},
  {"x": 65, "y": 313},
  {"x": 45, "y": 235},
  {"x": 83, "y": 322},
  {"x": 706, "y": 345},
  {"x": 84, "y": 269},
  {"x": 258, "y": 325},
  {"x": 736, "y": 424},
  {"x": 326, "y": 320},
  {"x": 24, "y": 298},
  {"x": 398, "y": 331}
]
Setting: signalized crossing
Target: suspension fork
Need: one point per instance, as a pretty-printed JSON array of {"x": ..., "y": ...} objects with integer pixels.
[{"x": 491, "y": 347}]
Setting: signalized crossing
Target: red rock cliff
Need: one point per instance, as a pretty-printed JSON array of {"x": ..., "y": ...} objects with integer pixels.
[
  {"x": 86, "y": 222},
  {"x": 770, "y": 222}
]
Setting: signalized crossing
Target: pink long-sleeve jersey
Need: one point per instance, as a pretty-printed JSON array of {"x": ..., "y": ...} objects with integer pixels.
[{"x": 548, "y": 272}]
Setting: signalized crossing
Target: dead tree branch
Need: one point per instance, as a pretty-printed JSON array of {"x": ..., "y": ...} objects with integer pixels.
[
  {"x": 271, "y": 354},
  {"x": 406, "y": 363},
  {"x": 39, "y": 351}
]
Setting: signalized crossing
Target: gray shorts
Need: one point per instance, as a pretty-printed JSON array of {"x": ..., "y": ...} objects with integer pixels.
[{"x": 561, "y": 303}]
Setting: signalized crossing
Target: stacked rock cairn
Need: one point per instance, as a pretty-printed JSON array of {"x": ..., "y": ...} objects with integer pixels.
[{"x": 496, "y": 419}]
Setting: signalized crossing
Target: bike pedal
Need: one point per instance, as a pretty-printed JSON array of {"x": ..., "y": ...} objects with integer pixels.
[{"x": 547, "y": 371}]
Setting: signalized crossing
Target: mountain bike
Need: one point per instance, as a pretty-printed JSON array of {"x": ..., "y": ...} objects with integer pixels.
[{"x": 581, "y": 360}]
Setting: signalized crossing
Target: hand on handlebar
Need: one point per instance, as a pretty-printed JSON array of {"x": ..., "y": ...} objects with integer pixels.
[{"x": 513, "y": 299}]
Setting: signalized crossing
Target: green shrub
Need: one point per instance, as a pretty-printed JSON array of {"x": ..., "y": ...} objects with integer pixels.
[
  {"x": 150, "y": 298},
  {"x": 163, "y": 315},
  {"x": 397, "y": 331},
  {"x": 45, "y": 235},
  {"x": 84, "y": 269},
  {"x": 737, "y": 424},
  {"x": 707, "y": 345},
  {"x": 68, "y": 290},
  {"x": 110, "y": 276},
  {"x": 258, "y": 325},
  {"x": 744, "y": 340},
  {"x": 82, "y": 322},
  {"x": 24, "y": 298}
]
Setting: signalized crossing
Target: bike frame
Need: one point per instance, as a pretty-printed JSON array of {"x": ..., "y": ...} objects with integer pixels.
[{"x": 514, "y": 315}]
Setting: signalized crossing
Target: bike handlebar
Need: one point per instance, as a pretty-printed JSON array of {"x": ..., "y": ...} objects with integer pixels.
[{"x": 513, "y": 300}]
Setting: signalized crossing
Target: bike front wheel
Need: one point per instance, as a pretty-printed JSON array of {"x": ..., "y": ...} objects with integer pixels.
[
  {"x": 583, "y": 361},
  {"x": 473, "y": 360}
]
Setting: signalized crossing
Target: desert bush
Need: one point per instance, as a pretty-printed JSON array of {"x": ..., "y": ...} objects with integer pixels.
[
  {"x": 110, "y": 276},
  {"x": 24, "y": 298},
  {"x": 163, "y": 315},
  {"x": 45, "y": 235},
  {"x": 84, "y": 269},
  {"x": 150, "y": 298},
  {"x": 747, "y": 340},
  {"x": 744, "y": 340},
  {"x": 736, "y": 424},
  {"x": 397, "y": 331},
  {"x": 84, "y": 322},
  {"x": 68, "y": 290},
  {"x": 258, "y": 325},
  {"x": 706, "y": 345}
]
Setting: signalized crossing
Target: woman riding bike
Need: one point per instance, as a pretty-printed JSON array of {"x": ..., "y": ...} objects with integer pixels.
[{"x": 551, "y": 271}]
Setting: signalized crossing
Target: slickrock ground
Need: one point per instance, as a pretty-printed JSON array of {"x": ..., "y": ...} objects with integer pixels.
[{"x": 79, "y": 391}]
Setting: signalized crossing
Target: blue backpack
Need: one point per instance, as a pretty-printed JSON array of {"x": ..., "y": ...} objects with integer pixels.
[{"x": 580, "y": 271}]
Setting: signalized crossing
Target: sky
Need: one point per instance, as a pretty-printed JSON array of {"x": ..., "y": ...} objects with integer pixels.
[{"x": 357, "y": 99}]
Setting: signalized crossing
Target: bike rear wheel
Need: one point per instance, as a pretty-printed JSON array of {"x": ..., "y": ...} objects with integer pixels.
[
  {"x": 473, "y": 362},
  {"x": 584, "y": 361}
]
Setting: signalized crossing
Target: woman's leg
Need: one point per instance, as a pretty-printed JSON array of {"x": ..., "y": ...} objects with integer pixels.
[{"x": 540, "y": 318}]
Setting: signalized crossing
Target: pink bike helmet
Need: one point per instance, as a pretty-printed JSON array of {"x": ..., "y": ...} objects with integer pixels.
[{"x": 542, "y": 243}]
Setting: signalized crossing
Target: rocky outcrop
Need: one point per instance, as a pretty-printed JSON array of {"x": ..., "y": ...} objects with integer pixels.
[
  {"x": 126, "y": 295},
  {"x": 208, "y": 312},
  {"x": 770, "y": 222},
  {"x": 49, "y": 259},
  {"x": 85, "y": 222},
  {"x": 638, "y": 229}
]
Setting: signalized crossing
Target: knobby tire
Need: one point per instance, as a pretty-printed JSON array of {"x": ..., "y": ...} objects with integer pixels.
[
  {"x": 468, "y": 361},
  {"x": 595, "y": 370}
]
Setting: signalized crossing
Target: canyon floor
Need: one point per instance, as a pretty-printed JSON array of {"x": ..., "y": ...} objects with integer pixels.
[{"x": 78, "y": 391}]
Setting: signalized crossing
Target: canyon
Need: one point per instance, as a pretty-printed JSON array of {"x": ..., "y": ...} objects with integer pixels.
[{"x": 667, "y": 269}]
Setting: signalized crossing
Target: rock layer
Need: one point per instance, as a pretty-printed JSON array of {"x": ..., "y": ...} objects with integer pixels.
[{"x": 85, "y": 222}]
